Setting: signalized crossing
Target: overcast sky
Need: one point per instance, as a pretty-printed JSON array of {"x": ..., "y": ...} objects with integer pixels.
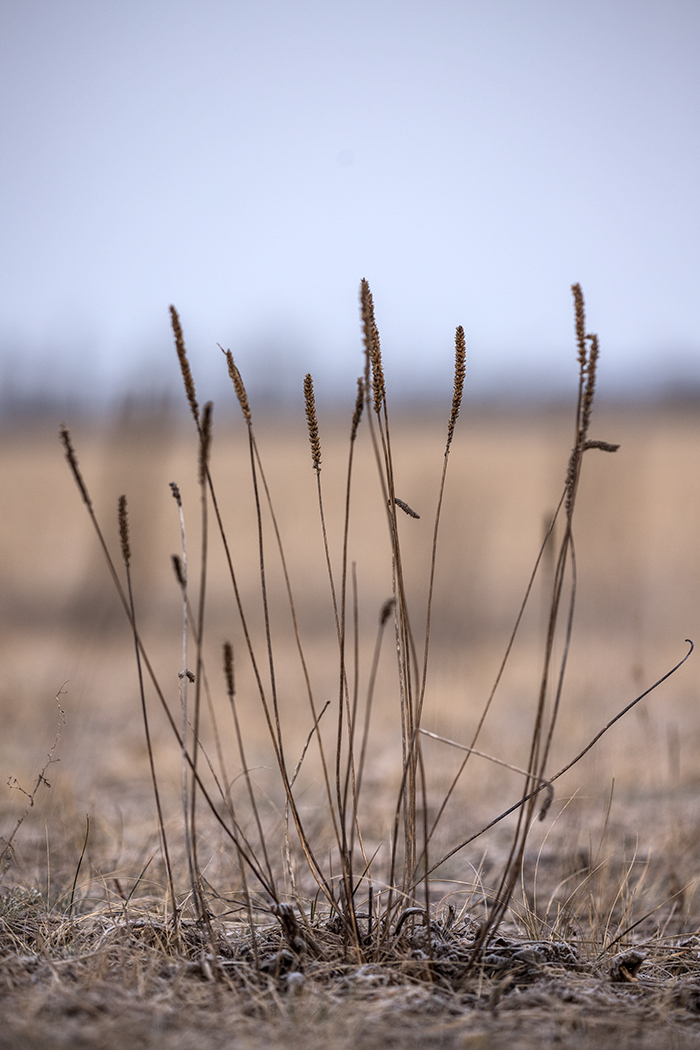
[{"x": 251, "y": 161}]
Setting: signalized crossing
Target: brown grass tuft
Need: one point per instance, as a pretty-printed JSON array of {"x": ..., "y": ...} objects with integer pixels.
[{"x": 308, "y": 890}]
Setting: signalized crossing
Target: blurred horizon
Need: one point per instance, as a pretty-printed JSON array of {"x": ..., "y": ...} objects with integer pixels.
[
  {"x": 274, "y": 405},
  {"x": 251, "y": 163}
]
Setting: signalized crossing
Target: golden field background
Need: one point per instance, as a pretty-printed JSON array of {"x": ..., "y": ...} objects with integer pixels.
[{"x": 638, "y": 556}]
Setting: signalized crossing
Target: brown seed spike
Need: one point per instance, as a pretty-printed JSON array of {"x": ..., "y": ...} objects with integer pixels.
[
  {"x": 378, "y": 386},
  {"x": 580, "y": 312},
  {"x": 589, "y": 392},
  {"x": 205, "y": 442},
  {"x": 178, "y": 569},
  {"x": 359, "y": 405},
  {"x": 175, "y": 489},
  {"x": 312, "y": 422},
  {"x": 228, "y": 670},
  {"x": 238, "y": 386},
  {"x": 405, "y": 507},
  {"x": 460, "y": 374},
  {"x": 184, "y": 364},
  {"x": 604, "y": 446},
  {"x": 367, "y": 311},
  {"x": 73, "y": 464},
  {"x": 372, "y": 346},
  {"x": 124, "y": 530}
]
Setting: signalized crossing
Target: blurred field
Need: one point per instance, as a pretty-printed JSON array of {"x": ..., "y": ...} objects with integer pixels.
[{"x": 638, "y": 582}]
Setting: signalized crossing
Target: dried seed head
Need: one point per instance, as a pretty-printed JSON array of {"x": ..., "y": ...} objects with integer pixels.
[
  {"x": 571, "y": 475},
  {"x": 205, "y": 442},
  {"x": 405, "y": 508},
  {"x": 179, "y": 571},
  {"x": 228, "y": 670},
  {"x": 589, "y": 392},
  {"x": 124, "y": 530},
  {"x": 604, "y": 446},
  {"x": 73, "y": 464},
  {"x": 175, "y": 489},
  {"x": 372, "y": 346},
  {"x": 367, "y": 313},
  {"x": 548, "y": 799},
  {"x": 312, "y": 422},
  {"x": 378, "y": 386},
  {"x": 460, "y": 373},
  {"x": 580, "y": 320},
  {"x": 184, "y": 364},
  {"x": 238, "y": 387},
  {"x": 588, "y": 363},
  {"x": 359, "y": 405}
]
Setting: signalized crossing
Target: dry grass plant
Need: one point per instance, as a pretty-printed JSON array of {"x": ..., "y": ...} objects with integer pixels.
[{"x": 322, "y": 897}]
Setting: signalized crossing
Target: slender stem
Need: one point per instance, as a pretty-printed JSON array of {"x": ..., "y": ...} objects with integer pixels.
[
  {"x": 149, "y": 748},
  {"x": 565, "y": 769}
]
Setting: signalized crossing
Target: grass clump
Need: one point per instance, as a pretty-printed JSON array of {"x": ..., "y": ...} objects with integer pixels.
[{"x": 306, "y": 898}]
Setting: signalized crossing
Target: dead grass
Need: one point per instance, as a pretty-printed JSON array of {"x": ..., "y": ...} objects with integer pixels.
[{"x": 103, "y": 981}]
